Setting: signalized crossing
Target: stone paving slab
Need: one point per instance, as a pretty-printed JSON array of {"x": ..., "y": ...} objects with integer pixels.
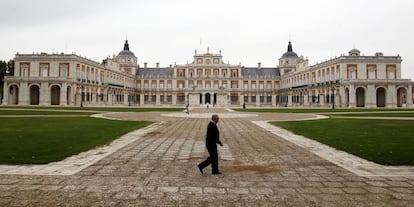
[{"x": 159, "y": 169}]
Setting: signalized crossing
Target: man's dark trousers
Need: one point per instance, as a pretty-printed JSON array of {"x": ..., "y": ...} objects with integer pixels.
[{"x": 213, "y": 159}]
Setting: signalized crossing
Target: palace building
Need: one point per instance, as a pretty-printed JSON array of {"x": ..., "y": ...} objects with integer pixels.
[{"x": 350, "y": 80}]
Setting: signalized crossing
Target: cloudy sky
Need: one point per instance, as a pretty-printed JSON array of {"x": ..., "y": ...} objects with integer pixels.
[{"x": 246, "y": 32}]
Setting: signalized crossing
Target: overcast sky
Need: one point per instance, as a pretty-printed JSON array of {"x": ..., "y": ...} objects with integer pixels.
[{"x": 246, "y": 32}]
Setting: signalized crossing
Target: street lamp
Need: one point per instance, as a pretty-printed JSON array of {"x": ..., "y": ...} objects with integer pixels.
[
  {"x": 333, "y": 97},
  {"x": 82, "y": 96}
]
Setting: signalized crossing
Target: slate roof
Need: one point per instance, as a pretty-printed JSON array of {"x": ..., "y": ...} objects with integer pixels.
[
  {"x": 155, "y": 72},
  {"x": 264, "y": 72}
]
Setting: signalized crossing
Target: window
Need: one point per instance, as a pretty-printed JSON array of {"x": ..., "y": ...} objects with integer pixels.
[
  {"x": 352, "y": 75},
  {"x": 371, "y": 74},
  {"x": 181, "y": 74},
  {"x": 224, "y": 74},
  {"x": 25, "y": 70},
  {"x": 44, "y": 70},
  {"x": 191, "y": 74},
  {"x": 391, "y": 74},
  {"x": 234, "y": 74},
  {"x": 63, "y": 70}
]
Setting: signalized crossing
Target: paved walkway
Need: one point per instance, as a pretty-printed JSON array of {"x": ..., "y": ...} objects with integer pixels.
[{"x": 159, "y": 169}]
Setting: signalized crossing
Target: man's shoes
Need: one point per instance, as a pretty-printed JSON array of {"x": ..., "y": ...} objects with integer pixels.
[
  {"x": 216, "y": 173},
  {"x": 201, "y": 169}
]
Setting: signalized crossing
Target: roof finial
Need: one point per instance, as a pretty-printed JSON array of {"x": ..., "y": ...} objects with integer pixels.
[
  {"x": 290, "y": 47},
  {"x": 126, "y": 45}
]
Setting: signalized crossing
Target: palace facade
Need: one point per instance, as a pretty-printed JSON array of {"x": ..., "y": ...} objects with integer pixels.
[{"x": 70, "y": 80}]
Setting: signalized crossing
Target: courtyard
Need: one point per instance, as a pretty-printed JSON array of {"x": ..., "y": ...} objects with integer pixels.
[{"x": 156, "y": 166}]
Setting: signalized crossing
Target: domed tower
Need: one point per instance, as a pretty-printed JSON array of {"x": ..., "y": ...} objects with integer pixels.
[
  {"x": 288, "y": 61},
  {"x": 354, "y": 52},
  {"x": 127, "y": 60}
]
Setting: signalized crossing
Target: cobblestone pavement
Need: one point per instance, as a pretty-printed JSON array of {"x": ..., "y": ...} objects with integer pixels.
[{"x": 259, "y": 169}]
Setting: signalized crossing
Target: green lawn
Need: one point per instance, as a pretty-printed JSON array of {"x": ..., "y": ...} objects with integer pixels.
[
  {"x": 314, "y": 110},
  {"x": 44, "y": 140},
  {"x": 39, "y": 112},
  {"x": 407, "y": 114},
  {"x": 387, "y": 142},
  {"x": 113, "y": 109}
]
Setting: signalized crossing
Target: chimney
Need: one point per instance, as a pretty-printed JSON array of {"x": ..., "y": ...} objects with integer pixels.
[
  {"x": 158, "y": 65},
  {"x": 145, "y": 65},
  {"x": 259, "y": 65}
]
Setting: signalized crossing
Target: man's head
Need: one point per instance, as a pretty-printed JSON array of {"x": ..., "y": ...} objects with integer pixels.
[{"x": 215, "y": 118}]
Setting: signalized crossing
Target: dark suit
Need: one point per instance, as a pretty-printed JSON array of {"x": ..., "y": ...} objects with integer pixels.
[{"x": 212, "y": 139}]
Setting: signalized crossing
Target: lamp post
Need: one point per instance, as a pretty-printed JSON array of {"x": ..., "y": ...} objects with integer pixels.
[
  {"x": 82, "y": 96},
  {"x": 333, "y": 97}
]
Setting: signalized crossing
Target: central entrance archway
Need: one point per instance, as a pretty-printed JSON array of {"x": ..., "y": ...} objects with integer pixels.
[{"x": 208, "y": 98}]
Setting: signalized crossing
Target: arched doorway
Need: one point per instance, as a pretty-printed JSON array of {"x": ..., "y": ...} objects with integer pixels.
[
  {"x": 401, "y": 97},
  {"x": 34, "y": 95},
  {"x": 55, "y": 95},
  {"x": 381, "y": 97},
  {"x": 207, "y": 98},
  {"x": 68, "y": 95},
  {"x": 215, "y": 99},
  {"x": 13, "y": 95},
  {"x": 346, "y": 97},
  {"x": 360, "y": 97}
]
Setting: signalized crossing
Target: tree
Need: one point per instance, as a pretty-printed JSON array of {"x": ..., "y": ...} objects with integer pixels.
[{"x": 6, "y": 68}]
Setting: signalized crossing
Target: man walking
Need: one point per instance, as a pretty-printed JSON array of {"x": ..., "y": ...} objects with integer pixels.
[{"x": 212, "y": 139}]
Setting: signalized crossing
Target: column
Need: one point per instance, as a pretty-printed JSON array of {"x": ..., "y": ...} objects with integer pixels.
[
  {"x": 141, "y": 99},
  {"x": 352, "y": 97},
  {"x": 174, "y": 99},
  {"x": 126, "y": 97},
  {"x": 371, "y": 97},
  {"x": 410, "y": 97},
  {"x": 391, "y": 96},
  {"x": 273, "y": 100},
  {"x": 157, "y": 99},
  {"x": 63, "y": 94},
  {"x": 5, "y": 94},
  {"x": 44, "y": 94},
  {"x": 306, "y": 99},
  {"x": 289, "y": 99},
  {"x": 23, "y": 94},
  {"x": 340, "y": 97}
]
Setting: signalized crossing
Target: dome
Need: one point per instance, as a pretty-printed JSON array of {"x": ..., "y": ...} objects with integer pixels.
[
  {"x": 290, "y": 53},
  {"x": 126, "y": 51},
  {"x": 354, "y": 52}
]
